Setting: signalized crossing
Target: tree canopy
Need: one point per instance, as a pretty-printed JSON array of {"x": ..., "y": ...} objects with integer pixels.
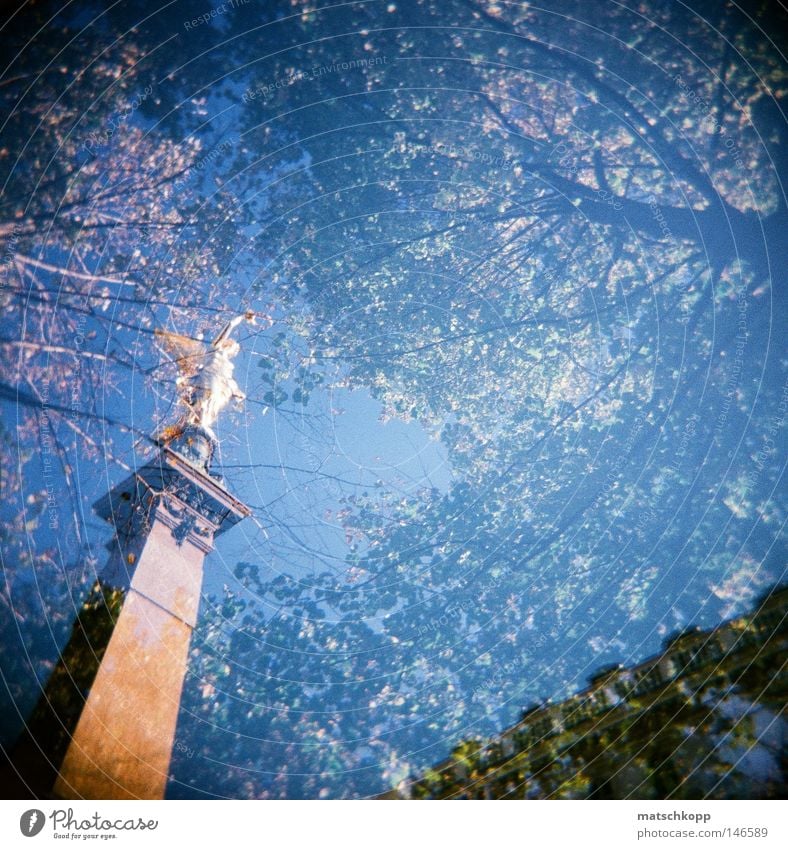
[{"x": 547, "y": 242}]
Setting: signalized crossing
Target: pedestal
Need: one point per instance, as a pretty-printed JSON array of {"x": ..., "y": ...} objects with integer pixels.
[{"x": 110, "y": 734}]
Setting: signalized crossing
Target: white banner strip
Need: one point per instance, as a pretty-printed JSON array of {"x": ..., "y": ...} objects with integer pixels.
[{"x": 392, "y": 825}]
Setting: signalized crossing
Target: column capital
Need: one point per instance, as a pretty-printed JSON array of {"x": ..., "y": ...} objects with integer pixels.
[{"x": 171, "y": 488}]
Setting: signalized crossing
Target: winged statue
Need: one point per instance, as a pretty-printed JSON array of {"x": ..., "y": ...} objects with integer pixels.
[{"x": 206, "y": 384}]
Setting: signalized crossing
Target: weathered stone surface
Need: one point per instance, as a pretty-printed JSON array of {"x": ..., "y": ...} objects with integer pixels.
[
  {"x": 122, "y": 744},
  {"x": 166, "y": 517}
]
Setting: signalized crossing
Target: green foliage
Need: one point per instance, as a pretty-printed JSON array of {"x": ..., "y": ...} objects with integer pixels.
[
  {"x": 41, "y": 747},
  {"x": 695, "y": 735}
]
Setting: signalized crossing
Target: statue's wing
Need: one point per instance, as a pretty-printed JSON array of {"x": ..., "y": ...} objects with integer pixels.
[{"x": 187, "y": 353}]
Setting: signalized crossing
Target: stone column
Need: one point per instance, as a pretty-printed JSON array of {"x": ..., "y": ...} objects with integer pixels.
[
  {"x": 105, "y": 725},
  {"x": 166, "y": 517}
]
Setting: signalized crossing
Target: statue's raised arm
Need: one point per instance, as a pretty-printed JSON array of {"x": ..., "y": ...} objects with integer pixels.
[{"x": 231, "y": 325}]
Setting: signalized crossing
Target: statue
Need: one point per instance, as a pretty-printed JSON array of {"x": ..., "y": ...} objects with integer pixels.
[{"x": 206, "y": 384}]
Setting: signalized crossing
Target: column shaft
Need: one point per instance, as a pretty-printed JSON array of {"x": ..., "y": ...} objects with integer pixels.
[{"x": 123, "y": 741}]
